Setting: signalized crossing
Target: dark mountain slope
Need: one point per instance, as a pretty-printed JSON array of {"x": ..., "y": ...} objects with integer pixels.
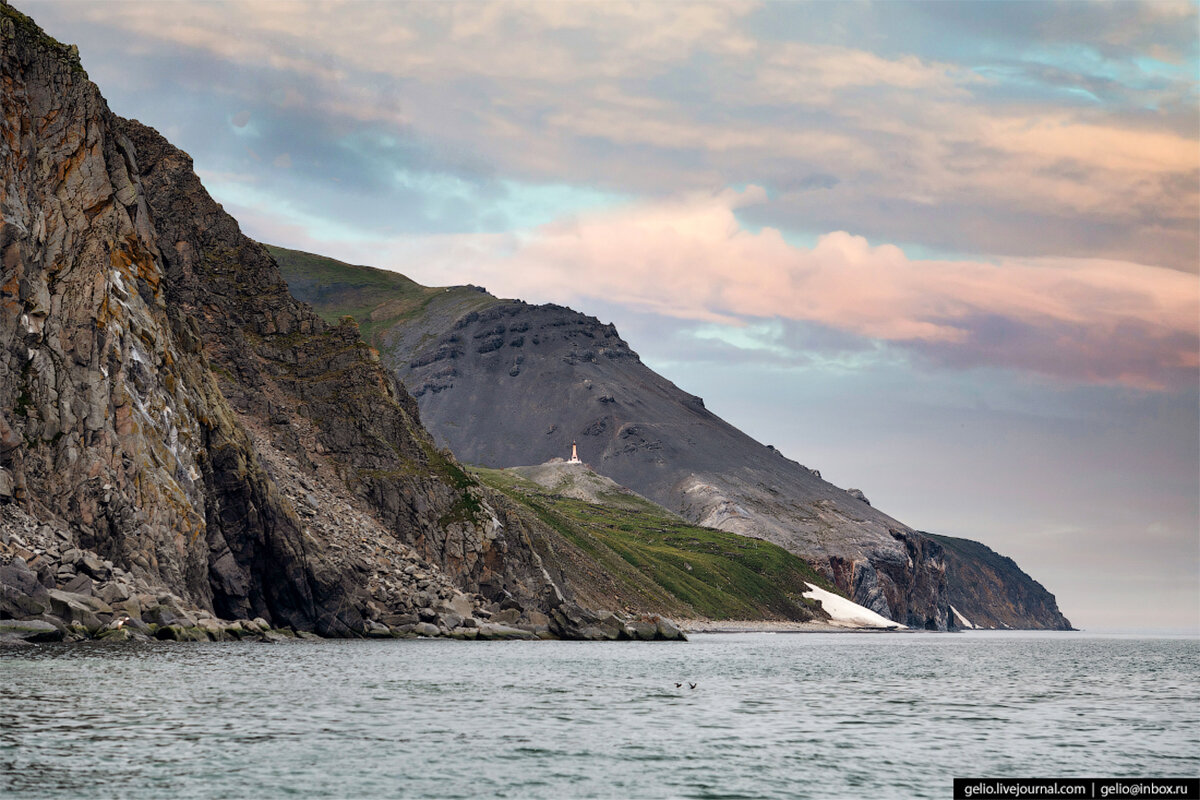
[{"x": 991, "y": 591}]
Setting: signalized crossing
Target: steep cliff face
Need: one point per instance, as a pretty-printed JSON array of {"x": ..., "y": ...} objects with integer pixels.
[
  {"x": 504, "y": 383},
  {"x": 166, "y": 404},
  {"x": 989, "y": 590},
  {"x": 275, "y": 359}
]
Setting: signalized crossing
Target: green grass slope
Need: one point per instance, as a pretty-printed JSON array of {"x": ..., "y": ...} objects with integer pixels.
[
  {"x": 657, "y": 559},
  {"x": 377, "y": 299}
]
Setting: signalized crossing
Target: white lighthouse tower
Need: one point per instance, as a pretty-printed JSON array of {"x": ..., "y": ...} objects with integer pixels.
[{"x": 574, "y": 455}]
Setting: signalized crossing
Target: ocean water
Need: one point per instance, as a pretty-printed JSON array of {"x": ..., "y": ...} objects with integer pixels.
[{"x": 772, "y": 716}]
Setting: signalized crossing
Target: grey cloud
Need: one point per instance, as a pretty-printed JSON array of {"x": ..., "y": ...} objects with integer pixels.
[{"x": 1072, "y": 352}]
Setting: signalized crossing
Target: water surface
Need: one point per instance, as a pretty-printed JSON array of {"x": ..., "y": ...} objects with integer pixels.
[{"x": 772, "y": 716}]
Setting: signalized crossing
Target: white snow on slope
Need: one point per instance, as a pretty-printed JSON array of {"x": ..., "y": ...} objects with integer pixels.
[
  {"x": 847, "y": 614},
  {"x": 963, "y": 622}
]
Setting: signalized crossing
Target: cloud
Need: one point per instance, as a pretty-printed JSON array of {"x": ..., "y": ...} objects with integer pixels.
[
  {"x": 1087, "y": 320},
  {"x": 1084, "y": 134}
]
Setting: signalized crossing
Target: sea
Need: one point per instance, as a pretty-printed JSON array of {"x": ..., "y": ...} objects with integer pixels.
[{"x": 746, "y": 715}]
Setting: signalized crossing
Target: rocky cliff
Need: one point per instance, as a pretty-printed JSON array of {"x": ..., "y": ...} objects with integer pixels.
[
  {"x": 170, "y": 415},
  {"x": 988, "y": 590},
  {"x": 505, "y": 383}
]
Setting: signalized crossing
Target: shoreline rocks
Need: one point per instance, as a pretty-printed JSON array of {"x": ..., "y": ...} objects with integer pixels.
[{"x": 52, "y": 591}]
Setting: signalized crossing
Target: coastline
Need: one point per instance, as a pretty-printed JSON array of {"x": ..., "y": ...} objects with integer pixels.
[{"x": 690, "y": 626}]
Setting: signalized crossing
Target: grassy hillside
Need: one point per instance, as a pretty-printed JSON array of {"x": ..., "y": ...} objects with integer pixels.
[
  {"x": 377, "y": 299},
  {"x": 652, "y": 554}
]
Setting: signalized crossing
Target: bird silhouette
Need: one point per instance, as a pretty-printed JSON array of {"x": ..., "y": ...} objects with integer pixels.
[
  {"x": 692, "y": 685},
  {"x": 679, "y": 686}
]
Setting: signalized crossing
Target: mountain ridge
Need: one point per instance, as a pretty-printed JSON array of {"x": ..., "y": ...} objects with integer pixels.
[{"x": 488, "y": 374}]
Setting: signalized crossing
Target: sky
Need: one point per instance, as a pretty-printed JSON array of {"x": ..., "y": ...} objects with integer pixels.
[{"x": 946, "y": 253}]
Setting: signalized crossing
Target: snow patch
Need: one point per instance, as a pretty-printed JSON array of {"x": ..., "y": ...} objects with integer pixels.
[
  {"x": 847, "y": 614},
  {"x": 963, "y": 622}
]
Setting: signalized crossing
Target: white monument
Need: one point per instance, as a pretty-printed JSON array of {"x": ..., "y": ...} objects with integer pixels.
[{"x": 574, "y": 455}]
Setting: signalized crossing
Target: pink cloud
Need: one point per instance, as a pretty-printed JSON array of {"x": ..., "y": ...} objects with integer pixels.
[{"x": 1082, "y": 319}]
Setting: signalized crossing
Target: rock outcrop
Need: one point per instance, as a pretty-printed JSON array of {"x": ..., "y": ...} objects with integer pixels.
[
  {"x": 988, "y": 590},
  {"x": 170, "y": 413}
]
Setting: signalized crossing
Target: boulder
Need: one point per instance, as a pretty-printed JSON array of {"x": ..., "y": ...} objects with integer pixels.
[
  {"x": 669, "y": 631},
  {"x": 113, "y": 593},
  {"x": 21, "y": 594},
  {"x": 643, "y": 629},
  {"x": 376, "y": 630},
  {"x": 33, "y": 630},
  {"x": 508, "y": 616},
  {"x": 491, "y": 630},
  {"x": 857, "y": 494},
  {"x": 92, "y": 565},
  {"x": 79, "y": 609},
  {"x": 572, "y": 621},
  {"x": 174, "y": 633},
  {"x": 168, "y": 613},
  {"x": 116, "y": 635},
  {"x": 214, "y": 629},
  {"x": 80, "y": 584},
  {"x": 597, "y": 634},
  {"x": 461, "y": 604},
  {"x": 130, "y": 607}
]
